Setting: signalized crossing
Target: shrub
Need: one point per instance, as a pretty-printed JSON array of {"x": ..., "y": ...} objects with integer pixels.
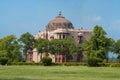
[
  {"x": 115, "y": 65},
  {"x": 3, "y": 60},
  {"x": 69, "y": 64},
  {"x": 93, "y": 61},
  {"x": 57, "y": 64},
  {"x": 74, "y": 64},
  {"x": 24, "y": 63},
  {"x": 46, "y": 61},
  {"x": 103, "y": 64}
]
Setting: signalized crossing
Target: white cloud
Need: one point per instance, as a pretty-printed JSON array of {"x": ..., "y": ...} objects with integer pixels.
[
  {"x": 91, "y": 20},
  {"x": 97, "y": 18}
]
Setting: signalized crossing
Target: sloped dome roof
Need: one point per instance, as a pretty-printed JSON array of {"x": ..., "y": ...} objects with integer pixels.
[{"x": 59, "y": 22}]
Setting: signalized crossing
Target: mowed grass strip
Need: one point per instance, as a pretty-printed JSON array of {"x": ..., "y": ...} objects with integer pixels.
[{"x": 59, "y": 73}]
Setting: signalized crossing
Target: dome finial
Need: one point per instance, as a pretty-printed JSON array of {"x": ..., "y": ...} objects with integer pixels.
[{"x": 59, "y": 13}]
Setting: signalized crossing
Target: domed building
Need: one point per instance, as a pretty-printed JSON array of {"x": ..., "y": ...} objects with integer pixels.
[
  {"x": 59, "y": 23},
  {"x": 61, "y": 28}
]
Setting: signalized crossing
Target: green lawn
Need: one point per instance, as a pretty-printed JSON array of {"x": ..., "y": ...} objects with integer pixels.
[{"x": 58, "y": 73}]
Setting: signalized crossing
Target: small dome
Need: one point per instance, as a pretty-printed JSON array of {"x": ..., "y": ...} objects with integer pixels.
[{"x": 59, "y": 22}]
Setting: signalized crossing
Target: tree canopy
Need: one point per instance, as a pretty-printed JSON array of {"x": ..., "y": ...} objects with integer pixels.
[
  {"x": 61, "y": 46},
  {"x": 99, "y": 44},
  {"x": 27, "y": 42},
  {"x": 10, "y": 48},
  {"x": 116, "y": 48},
  {"x": 55, "y": 46},
  {"x": 42, "y": 45}
]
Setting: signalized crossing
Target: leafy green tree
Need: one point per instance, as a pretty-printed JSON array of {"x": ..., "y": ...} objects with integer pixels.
[
  {"x": 9, "y": 48},
  {"x": 99, "y": 44},
  {"x": 53, "y": 49},
  {"x": 78, "y": 48},
  {"x": 62, "y": 46},
  {"x": 27, "y": 41},
  {"x": 79, "y": 52},
  {"x": 55, "y": 46},
  {"x": 42, "y": 46},
  {"x": 116, "y": 48}
]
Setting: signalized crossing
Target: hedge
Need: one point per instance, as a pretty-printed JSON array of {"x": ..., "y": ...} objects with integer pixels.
[
  {"x": 24, "y": 63},
  {"x": 69, "y": 64},
  {"x": 3, "y": 60},
  {"x": 66, "y": 64}
]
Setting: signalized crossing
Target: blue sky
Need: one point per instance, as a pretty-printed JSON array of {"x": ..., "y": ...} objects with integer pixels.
[{"x": 20, "y": 16}]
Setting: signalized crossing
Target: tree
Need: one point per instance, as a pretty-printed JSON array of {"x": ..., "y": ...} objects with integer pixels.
[
  {"x": 62, "y": 46},
  {"x": 98, "y": 45},
  {"x": 42, "y": 46},
  {"x": 9, "y": 48},
  {"x": 79, "y": 51},
  {"x": 27, "y": 41},
  {"x": 116, "y": 48}
]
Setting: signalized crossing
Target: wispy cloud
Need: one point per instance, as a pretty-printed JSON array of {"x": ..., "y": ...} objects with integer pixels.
[
  {"x": 97, "y": 18},
  {"x": 92, "y": 18},
  {"x": 91, "y": 21}
]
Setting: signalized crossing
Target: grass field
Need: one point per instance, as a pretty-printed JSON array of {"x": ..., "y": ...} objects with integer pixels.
[{"x": 58, "y": 73}]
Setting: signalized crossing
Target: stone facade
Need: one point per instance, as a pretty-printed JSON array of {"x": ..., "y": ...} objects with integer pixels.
[{"x": 61, "y": 28}]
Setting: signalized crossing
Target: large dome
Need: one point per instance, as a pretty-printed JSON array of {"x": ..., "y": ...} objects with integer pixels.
[{"x": 58, "y": 23}]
